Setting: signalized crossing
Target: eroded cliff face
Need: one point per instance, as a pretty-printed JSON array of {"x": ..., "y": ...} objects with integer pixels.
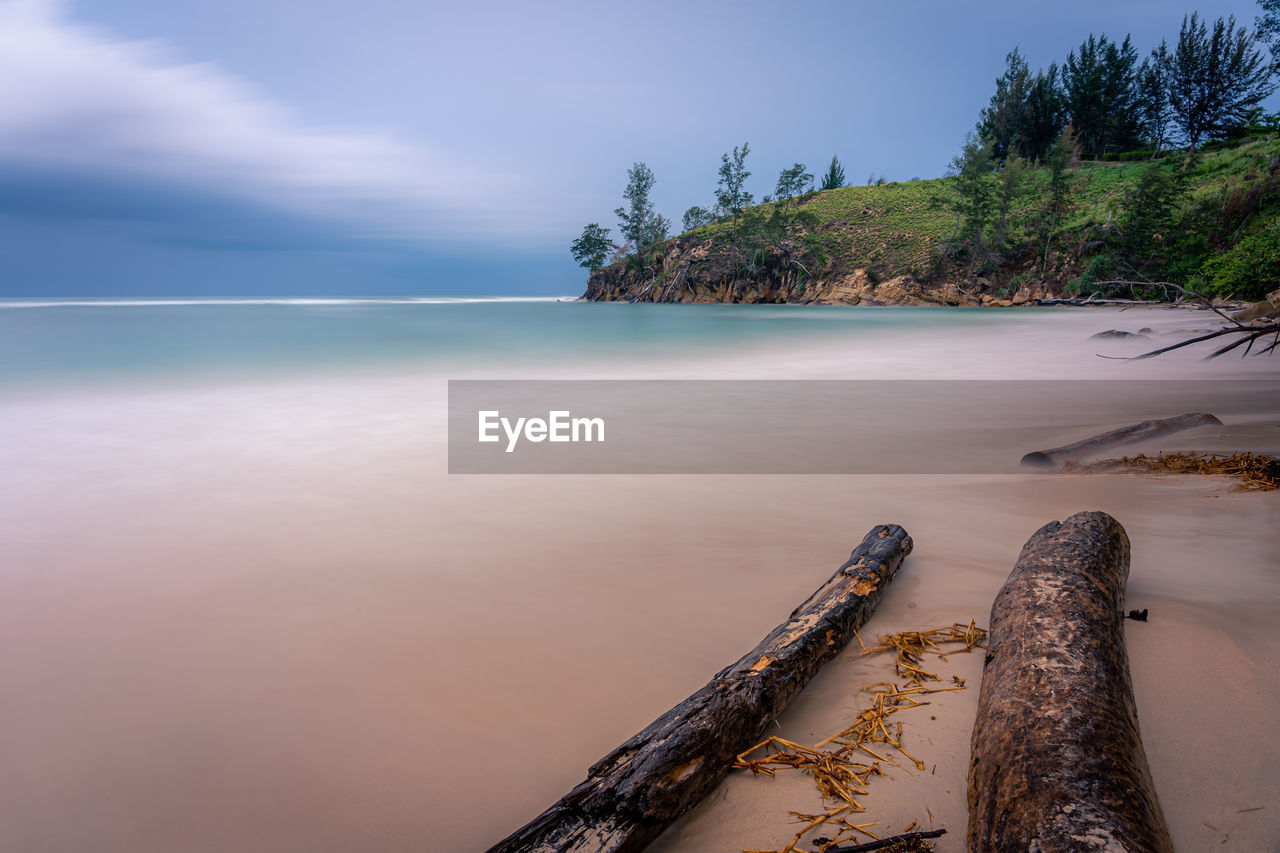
[{"x": 689, "y": 272}]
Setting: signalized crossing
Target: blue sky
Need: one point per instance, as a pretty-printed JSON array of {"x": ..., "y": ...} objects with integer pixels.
[{"x": 383, "y": 147}]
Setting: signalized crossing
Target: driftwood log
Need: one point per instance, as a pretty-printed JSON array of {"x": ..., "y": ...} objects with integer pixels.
[
  {"x": 640, "y": 788},
  {"x": 1057, "y": 761},
  {"x": 1134, "y": 432}
]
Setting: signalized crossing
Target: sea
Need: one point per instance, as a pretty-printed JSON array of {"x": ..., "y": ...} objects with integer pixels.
[
  {"x": 244, "y": 604},
  {"x": 50, "y": 343}
]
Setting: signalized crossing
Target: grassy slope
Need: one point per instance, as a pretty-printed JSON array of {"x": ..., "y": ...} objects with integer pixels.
[{"x": 899, "y": 228}]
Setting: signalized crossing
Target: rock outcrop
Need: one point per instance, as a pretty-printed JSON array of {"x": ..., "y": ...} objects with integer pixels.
[
  {"x": 1267, "y": 309},
  {"x": 688, "y": 271}
]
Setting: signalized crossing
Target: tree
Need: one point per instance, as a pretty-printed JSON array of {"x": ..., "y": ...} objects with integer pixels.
[
  {"x": 1043, "y": 116},
  {"x": 1099, "y": 83},
  {"x": 1025, "y": 114},
  {"x": 1001, "y": 122},
  {"x": 792, "y": 182},
  {"x": 971, "y": 169},
  {"x": 591, "y": 249},
  {"x": 1154, "y": 79},
  {"x": 1268, "y": 26},
  {"x": 1012, "y": 184},
  {"x": 1058, "y": 203},
  {"x": 1149, "y": 218},
  {"x": 1216, "y": 78},
  {"x": 834, "y": 178},
  {"x": 656, "y": 229},
  {"x": 730, "y": 195},
  {"x": 638, "y": 222},
  {"x": 696, "y": 217}
]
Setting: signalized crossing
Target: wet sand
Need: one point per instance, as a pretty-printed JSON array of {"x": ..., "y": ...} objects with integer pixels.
[{"x": 264, "y": 618}]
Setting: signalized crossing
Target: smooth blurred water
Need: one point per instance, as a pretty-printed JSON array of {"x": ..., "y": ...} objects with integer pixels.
[
  {"x": 60, "y": 342},
  {"x": 244, "y": 605}
]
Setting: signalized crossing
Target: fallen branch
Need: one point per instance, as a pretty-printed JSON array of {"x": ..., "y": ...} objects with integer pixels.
[
  {"x": 1183, "y": 293},
  {"x": 1084, "y": 303},
  {"x": 640, "y": 788},
  {"x": 1057, "y": 760},
  {"x": 1123, "y": 435},
  {"x": 907, "y": 838},
  {"x": 1248, "y": 334}
]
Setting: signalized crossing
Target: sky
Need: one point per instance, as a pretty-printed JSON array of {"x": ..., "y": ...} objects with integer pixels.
[{"x": 391, "y": 147}]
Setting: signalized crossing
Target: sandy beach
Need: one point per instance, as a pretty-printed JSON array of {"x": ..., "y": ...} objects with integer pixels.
[{"x": 262, "y": 616}]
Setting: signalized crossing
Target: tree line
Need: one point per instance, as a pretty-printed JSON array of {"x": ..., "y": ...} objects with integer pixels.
[
  {"x": 1208, "y": 85},
  {"x": 641, "y": 227},
  {"x": 1103, "y": 102}
]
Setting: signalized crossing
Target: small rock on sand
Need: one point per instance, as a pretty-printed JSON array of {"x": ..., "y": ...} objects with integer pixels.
[{"x": 1116, "y": 334}]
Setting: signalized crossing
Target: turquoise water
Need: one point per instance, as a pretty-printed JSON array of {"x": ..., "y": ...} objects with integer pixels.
[
  {"x": 58, "y": 342},
  {"x": 262, "y": 615}
]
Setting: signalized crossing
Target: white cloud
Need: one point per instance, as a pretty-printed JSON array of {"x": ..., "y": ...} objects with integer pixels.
[{"x": 72, "y": 96}]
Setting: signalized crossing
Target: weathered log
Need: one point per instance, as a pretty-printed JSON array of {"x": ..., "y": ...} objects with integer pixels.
[
  {"x": 1057, "y": 761},
  {"x": 1123, "y": 435},
  {"x": 640, "y": 788}
]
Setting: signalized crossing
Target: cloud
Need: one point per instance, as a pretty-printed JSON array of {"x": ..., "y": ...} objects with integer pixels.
[
  {"x": 167, "y": 213},
  {"x": 73, "y": 98}
]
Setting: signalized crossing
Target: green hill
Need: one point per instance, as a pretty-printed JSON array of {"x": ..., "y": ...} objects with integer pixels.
[{"x": 1166, "y": 220}]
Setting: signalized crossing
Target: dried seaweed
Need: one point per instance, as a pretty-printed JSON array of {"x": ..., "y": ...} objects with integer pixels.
[
  {"x": 1255, "y": 472},
  {"x": 840, "y": 778}
]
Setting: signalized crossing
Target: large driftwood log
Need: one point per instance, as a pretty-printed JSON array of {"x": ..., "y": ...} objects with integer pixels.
[
  {"x": 1057, "y": 761},
  {"x": 1123, "y": 435},
  {"x": 640, "y": 788}
]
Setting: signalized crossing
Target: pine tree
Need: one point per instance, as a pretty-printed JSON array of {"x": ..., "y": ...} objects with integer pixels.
[
  {"x": 974, "y": 207},
  {"x": 1043, "y": 117},
  {"x": 1058, "y": 203},
  {"x": 1154, "y": 80},
  {"x": 1216, "y": 78},
  {"x": 1150, "y": 213},
  {"x": 834, "y": 178},
  {"x": 1268, "y": 26},
  {"x": 1099, "y": 82},
  {"x": 1002, "y": 120},
  {"x": 1011, "y": 186}
]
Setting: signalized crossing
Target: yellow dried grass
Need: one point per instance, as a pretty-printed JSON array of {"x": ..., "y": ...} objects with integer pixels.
[
  {"x": 839, "y": 778},
  {"x": 1255, "y": 471}
]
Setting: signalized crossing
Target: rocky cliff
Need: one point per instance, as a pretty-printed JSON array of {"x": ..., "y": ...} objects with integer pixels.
[{"x": 690, "y": 271}]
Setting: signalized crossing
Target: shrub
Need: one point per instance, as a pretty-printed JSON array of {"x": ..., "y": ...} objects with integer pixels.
[
  {"x": 1099, "y": 268},
  {"x": 1250, "y": 269}
]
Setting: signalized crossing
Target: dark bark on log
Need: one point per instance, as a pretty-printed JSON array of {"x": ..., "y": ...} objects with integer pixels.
[
  {"x": 1057, "y": 761},
  {"x": 639, "y": 789},
  {"x": 1124, "y": 435}
]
